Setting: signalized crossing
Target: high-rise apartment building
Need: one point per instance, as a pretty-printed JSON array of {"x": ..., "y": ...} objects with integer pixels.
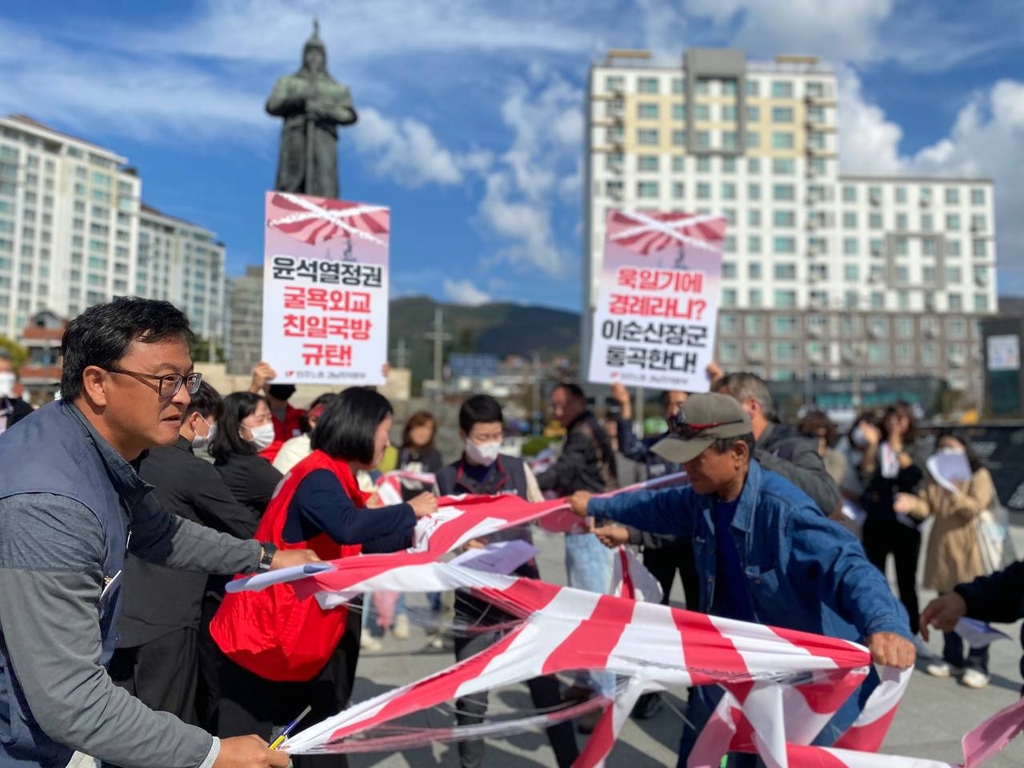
[
  {"x": 245, "y": 321},
  {"x": 182, "y": 263},
  {"x": 73, "y": 233},
  {"x": 824, "y": 275}
]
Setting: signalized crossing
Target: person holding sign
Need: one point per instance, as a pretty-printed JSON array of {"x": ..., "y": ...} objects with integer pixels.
[{"x": 953, "y": 554}]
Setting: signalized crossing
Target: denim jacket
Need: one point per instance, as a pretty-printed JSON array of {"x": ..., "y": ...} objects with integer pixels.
[{"x": 803, "y": 571}]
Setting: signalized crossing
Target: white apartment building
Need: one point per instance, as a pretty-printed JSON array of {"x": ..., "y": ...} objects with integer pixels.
[
  {"x": 182, "y": 263},
  {"x": 71, "y": 232},
  {"x": 824, "y": 276}
]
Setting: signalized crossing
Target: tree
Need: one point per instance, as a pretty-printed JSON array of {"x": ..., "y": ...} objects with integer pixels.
[
  {"x": 200, "y": 351},
  {"x": 18, "y": 353}
]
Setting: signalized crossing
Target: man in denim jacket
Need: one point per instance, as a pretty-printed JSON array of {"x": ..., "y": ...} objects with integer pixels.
[{"x": 764, "y": 551}]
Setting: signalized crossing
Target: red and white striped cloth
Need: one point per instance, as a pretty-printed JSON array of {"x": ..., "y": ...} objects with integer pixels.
[
  {"x": 315, "y": 220},
  {"x": 647, "y": 233}
]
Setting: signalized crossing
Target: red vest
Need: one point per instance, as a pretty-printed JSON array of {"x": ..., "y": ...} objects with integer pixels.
[{"x": 272, "y": 633}]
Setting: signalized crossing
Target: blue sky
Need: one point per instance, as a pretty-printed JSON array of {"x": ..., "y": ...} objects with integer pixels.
[{"x": 471, "y": 110}]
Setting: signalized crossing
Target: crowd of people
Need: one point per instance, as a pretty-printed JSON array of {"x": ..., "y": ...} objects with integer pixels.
[{"x": 143, "y": 491}]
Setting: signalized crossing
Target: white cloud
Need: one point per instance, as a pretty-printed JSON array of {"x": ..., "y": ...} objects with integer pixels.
[
  {"x": 407, "y": 151},
  {"x": 868, "y": 142},
  {"x": 464, "y": 292}
]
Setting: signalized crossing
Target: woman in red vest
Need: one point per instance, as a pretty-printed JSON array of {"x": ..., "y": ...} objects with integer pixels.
[{"x": 284, "y": 654}]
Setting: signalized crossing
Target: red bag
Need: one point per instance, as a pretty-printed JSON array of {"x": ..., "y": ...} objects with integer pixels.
[{"x": 272, "y": 633}]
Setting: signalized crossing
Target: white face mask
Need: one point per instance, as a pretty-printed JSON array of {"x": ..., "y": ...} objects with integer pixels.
[
  {"x": 262, "y": 436},
  {"x": 7, "y": 381},
  {"x": 199, "y": 441},
  {"x": 857, "y": 438},
  {"x": 485, "y": 454}
]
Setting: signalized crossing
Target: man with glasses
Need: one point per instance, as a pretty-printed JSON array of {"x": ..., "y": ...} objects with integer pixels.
[
  {"x": 765, "y": 553},
  {"x": 68, "y": 517}
]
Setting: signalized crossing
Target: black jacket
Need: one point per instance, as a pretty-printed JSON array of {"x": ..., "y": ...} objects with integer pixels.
[
  {"x": 998, "y": 598},
  {"x": 252, "y": 480},
  {"x": 783, "y": 450},
  {"x": 15, "y": 408},
  {"x": 587, "y": 462},
  {"x": 158, "y": 600}
]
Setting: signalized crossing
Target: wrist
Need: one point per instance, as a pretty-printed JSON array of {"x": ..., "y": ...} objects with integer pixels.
[{"x": 267, "y": 552}]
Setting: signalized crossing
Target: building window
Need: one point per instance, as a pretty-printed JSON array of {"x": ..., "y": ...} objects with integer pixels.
[
  {"x": 703, "y": 190},
  {"x": 703, "y": 140},
  {"x": 729, "y": 139},
  {"x": 729, "y": 270},
  {"x": 647, "y": 189},
  {"x": 956, "y": 302},
  {"x": 782, "y": 114},
  {"x": 701, "y": 112},
  {"x": 678, "y": 111},
  {"x": 613, "y": 134},
  {"x": 678, "y": 164},
  {"x": 783, "y": 192},
  {"x": 782, "y": 140},
  {"x": 927, "y": 222},
  {"x": 754, "y": 246},
  {"x": 752, "y": 87},
  {"x": 849, "y": 220},
  {"x": 901, "y": 222},
  {"x": 753, "y": 140},
  {"x": 952, "y": 222},
  {"x": 647, "y": 163},
  {"x": 849, "y": 194},
  {"x": 902, "y": 275},
  {"x": 874, "y": 221},
  {"x": 647, "y": 137},
  {"x": 730, "y": 244},
  {"x": 728, "y": 297},
  {"x": 785, "y": 299},
  {"x": 728, "y": 191},
  {"x": 753, "y": 192},
  {"x": 928, "y": 246},
  {"x": 979, "y": 248},
  {"x": 851, "y": 273},
  {"x": 614, "y": 83},
  {"x": 782, "y": 89},
  {"x": 678, "y": 138},
  {"x": 977, "y": 196},
  {"x": 954, "y": 275},
  {"x": 785, "y": 245},
  {"x": 784, "y": 218},
  {"x": 753, "y": 218},
  {"x": 952, "y": 247},
  {"x": 952, "y": 196},
  {"x": 646, "y": 111},
  {"x": 647, "y": 85},
  {"x": 785, "y": 271},
  {"x": 784, "y": 166},
  {"x": 728, "y": 113},
  {"x": 678, "y": 190}
]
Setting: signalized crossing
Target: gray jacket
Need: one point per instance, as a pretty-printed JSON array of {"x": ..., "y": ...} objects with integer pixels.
[{"x": 53, "y": 625}]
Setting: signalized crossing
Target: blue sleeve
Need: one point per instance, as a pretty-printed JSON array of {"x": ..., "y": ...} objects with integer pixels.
[
  {"x": 824, "y": 554},
  {"x": 320, "y": 505},
  {"x": 392, "y": 542},
  {"x": 669, "y": 511},
  {"x": 629, "y": 446}
]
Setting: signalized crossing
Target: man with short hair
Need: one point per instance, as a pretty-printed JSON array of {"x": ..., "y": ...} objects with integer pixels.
[
  {"x": 287, "y": 420},
  {"x": 158, "y": 644},
  {"x": 780, "y": 447},
  {"x": 768, "y": 554},
  {"x": 67, "y": 519},
  {"x": 483, "y": 470},
  {"x": 12, "y": 409},
  {"x": 586, "y": 463}
]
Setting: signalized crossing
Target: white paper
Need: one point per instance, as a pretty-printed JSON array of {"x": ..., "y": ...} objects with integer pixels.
[
  {"x": 978, "y": 634},
  {"x": 949, "y": 467},
  {"x": 502, "y": 557}
]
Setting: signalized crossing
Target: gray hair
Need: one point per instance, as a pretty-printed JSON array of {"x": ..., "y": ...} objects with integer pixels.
[{"x": 749, "y": 386}]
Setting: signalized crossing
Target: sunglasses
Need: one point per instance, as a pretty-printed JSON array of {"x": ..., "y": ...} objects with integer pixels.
[{"x": 688, "y": 431}]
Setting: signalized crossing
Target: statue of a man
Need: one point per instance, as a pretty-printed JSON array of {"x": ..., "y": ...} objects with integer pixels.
[{"x": 313, "y": 105}]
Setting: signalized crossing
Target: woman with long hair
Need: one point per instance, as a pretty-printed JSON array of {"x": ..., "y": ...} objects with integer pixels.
[
  {"x": 284, "y": 653},
  {"x": 889, "y": 463},
  {"x": 953, "y": 555},
  {"x": 417, "y": 449}
]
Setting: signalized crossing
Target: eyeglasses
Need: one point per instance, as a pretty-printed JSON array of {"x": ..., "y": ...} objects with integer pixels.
[
  {"x": 689, "y": 431},
  {"x": 169, "y": 384}
]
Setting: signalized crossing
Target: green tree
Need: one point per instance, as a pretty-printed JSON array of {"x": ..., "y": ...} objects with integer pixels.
[
  {"x": 18, "y": 353},
  {"x": 200, "y": 351}
]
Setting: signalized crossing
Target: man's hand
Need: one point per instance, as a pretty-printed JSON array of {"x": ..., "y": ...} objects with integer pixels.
[
  {"x": 260, "y": 375},
  {"x": 715, "y": 372},
  {"x": 612, "y": 536},
  {"x": 289, "y": 558},
  {"x": 621, "y": 395},
  {"x": 890, "y": 650},
  {"x": 872, "y": 434},
  {"x": 249, "y": 752},
  {"x": 904, "y": 503},
  {"x": 578, "y": 502},
  {"x": 424, "y": 504},
  {"x": 943, "y": 613}
]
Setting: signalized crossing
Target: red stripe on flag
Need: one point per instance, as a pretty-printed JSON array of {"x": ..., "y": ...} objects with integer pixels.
[{"x": 594, "y": 639}]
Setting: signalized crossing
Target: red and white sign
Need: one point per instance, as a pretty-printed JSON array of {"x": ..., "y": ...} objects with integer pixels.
[
  {"x": 325, "y": 290},
  {"x": 658, "y": 300}
]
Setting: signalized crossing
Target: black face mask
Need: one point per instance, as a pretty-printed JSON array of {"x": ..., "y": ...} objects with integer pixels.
[{"x": 280, "y": 391}]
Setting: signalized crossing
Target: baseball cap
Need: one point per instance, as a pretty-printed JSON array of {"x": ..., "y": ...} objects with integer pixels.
[{"x": 702, "y": 420}]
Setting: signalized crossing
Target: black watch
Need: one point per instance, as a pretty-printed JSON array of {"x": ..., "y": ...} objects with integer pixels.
[{"x": 267, "y": 552}]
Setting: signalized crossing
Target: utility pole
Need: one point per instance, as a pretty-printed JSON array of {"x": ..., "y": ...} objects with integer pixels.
[
  {"x": 439, "y": 337},
  {"x": 401, "y": 354},
  {"x": 535, "y": 418}
]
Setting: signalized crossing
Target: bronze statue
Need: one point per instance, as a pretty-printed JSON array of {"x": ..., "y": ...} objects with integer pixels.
[{"x": 313, "y": 105}]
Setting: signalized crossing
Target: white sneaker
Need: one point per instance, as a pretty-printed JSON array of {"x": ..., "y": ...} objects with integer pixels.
[
  {"x": 401, "y": 628},
  {"x": 943, "y": 669},
  {"x": 436, "y": 642},
  {"x": 974, "y": 678},
  {"x": 369, "y": 643}
]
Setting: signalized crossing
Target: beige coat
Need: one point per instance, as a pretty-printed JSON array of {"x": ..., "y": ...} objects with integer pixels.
[{"x": 953, "y": 556}]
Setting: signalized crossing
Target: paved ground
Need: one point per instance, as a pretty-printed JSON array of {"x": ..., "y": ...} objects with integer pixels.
[{"x": 932, "y": 719}]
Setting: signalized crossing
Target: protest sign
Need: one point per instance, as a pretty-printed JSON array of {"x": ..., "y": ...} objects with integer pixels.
[
  {"x": 658, "y": 300},
  {"x": 325, "y": 290}
]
